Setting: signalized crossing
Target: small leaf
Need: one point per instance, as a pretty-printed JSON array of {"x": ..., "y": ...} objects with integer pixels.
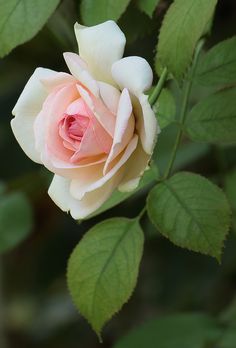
[
  {"x": 218, "y": 66},
  {"x": 183, "y": 25},
  {"x": 192, "y": 212},
  {"x": 193, "y": 330},
  {"x": 97, "y": 11},
  {"x": 213, "y": 120},
  {"x": 16, "y": 220},
  {"x": 103, "y": 269},
  {"x": 165, "y": 108},
  {"x": 147, "y": 6},
  {"x": 20, "y": 20}
]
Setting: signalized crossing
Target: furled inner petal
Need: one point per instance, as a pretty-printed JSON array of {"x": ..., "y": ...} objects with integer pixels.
[
  {"x": 104, "y": 116},
  {"x": 82, "y": 134}
]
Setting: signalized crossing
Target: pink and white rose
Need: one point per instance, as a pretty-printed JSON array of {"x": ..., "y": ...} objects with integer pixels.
[{"x": 94, "y": 127}]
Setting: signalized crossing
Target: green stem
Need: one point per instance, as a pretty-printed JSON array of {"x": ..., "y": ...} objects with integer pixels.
[
  {"x": 184, "y": 108},
  {"x": 157, "y": 90},
  {"x": 143, "y": 211}
]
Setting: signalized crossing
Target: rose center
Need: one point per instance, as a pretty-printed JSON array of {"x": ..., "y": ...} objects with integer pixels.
[{"x": 76, "y": 126}]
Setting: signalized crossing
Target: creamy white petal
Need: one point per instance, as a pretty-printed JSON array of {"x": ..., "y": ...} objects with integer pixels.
[
  {"x": 79, "y": 209},
  {"x": 146, "y": 122},
  {"x": 90, "y": 183},
  {"x": 110, "y": 96},
  {"x": 27, "y": 108},
  {"x": 79, "y": 70},
  {"x": 134, "y": 169},
  {"x": 133, "y": 73},
  {"x": 124, "y": 128},
  {"x": 52, "y": 82},
  {"x": 100, "y": 46}
]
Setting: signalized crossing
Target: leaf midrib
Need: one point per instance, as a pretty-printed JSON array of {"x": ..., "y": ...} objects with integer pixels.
[
  {"x": 175, "y": 194},
  {"x": 113, "y": 252}
]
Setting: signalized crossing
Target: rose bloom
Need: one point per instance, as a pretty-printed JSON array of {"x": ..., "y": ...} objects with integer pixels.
[{"x": 93, "y": 128}]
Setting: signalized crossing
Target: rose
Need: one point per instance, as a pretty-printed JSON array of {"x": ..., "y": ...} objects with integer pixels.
[{"x": 94, "y": 128}]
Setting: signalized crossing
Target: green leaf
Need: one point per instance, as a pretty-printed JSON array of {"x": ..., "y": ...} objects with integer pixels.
[
  {"x": 16, "y": 220},
  {"x": 228, "y": 319},
  {"x": 174, "y": 331},
  {"x": 165, "y": 108},
  {"x": 118, "y": 197},
  {"x": 213, "y": 120},
  {"x": 218, "y": 66},
  {"x": 183, "y": 25},
  {"x": 147, "y": 6},
  {"x": 20, "y": 20},
  {"x": 192, "y": 212},
  {"x": 230, "y": 188},
  {"x": 2, "y": 188},
  {"x": 97, "y": 11},
  {"x": 228, "y": 338},
  {"x": 136, "y": 25},
  {"x": 103, "y": 269}
]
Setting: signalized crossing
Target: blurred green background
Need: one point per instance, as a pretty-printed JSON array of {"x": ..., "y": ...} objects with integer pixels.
[{"x": 35, "y": 307}]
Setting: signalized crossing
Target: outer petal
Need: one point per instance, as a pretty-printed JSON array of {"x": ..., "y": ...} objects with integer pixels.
[
  {"x": 124, "y": 128},
  {"x": 100, "y": 46},
  {"x": 133, "y": 73},
  {"x": 134, "y": 169},
  {"x": 78, "y": 69},
  {"x": 26, "y": 109},
  {"x": 146, "y": 122},
  {"x": 79, "y": 209}
]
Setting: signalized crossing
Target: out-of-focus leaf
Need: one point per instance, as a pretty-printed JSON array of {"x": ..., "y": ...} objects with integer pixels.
[
  {"x": 97, "y": 11},
  {"x": 228, "y": 339},
  {"x": 165, "y": 108},
  {"x": 183, "y": 26},
  {"x": 188, "y": 153},
  {"x": 2, "y": 188},
  {"x": 228, "y": 317},
  {"x": 16, "y": 220},
  {"x": 218, "y": 66},
  {"x": 103, "y": 269},
  {"x": 20, "y": 20},
  {"x": 230, "y": 188},
  {"x": 191, "y": 212},
  {"x": 174, "y": 331},
  {"x": 213, "y": 119},
  {"x": 135, "y": 24},
  {"x": 147, "y": 6}
]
